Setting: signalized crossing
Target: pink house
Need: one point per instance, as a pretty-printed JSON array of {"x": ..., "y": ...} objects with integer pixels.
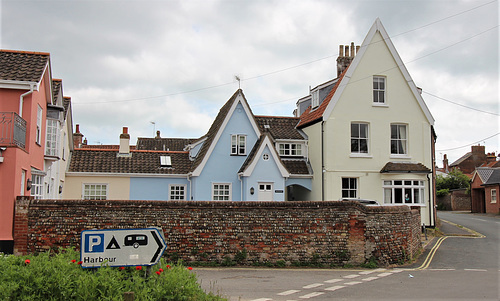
[{"x": 25, "y": 93}]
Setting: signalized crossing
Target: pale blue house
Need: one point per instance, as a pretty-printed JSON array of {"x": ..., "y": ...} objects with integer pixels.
[{"x": 241, "y": 158}]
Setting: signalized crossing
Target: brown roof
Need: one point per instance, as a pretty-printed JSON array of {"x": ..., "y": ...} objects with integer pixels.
[
  {"x": 404, "y": 167},
  {"x": 214, "y": 128},
  {"x": 108, "y": 161},
  {"x": 280, "y": 127},
  {"x": 297, "y": 167},
  {"x": 56, "y": 88},
  {"x": 23, "y": 65},
  {"x": 103, "y": 147},
  {"x": 311, "y": 116},
  {"x": 163, "y": 144}
]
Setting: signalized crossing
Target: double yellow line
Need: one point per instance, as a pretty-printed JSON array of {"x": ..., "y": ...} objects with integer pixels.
[{"x": 433, "y": 251}]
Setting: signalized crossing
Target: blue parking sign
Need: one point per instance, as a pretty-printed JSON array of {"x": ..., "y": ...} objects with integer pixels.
[{"x": 94, "y": 243}]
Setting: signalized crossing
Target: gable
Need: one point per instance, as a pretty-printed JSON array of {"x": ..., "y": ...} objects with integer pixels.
[
  {"x": 378, "y": 56},
  {"x": 263, "y": 145},
  {"x": 236, "y": 107}
]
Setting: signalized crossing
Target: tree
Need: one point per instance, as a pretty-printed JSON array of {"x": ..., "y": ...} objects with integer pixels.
[{"x": 454, "y": 180}]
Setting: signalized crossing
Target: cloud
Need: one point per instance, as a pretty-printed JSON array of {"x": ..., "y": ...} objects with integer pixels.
[{"x": 127, "y": 63}]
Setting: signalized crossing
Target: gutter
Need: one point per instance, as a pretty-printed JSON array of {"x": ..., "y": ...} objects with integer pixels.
[
  {"x": 322, "y": 161},
  {"x": 190, "y": 187}
]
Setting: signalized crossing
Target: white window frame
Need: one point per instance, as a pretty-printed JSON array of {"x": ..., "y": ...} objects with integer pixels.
[
  {"x": 349, "y": 189},
  {"x": 51, "y": 137},
  {"x": 238, "y": 145},
  {"x": 89, "y": 191},
  {"x": 401, "y": 142},
  {"x": 378, "y": 91},
  {"x": 493, "y": 196},
  {"x": 226, "y": 190},
  {"x": 38, "y": 134},
  {"x": 290, "y": 149},
  {"x": 165, "y": 161},
  {"x": 177, "y": 192},
  {"x": 357, "y": 137},
  {"x": 416, "y": 188},
  {"x": 315, "y": 99},
  {"x": 37, "y": 186}
]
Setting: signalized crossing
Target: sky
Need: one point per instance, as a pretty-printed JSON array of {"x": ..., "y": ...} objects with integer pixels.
[{"x": 171, "y": 65}]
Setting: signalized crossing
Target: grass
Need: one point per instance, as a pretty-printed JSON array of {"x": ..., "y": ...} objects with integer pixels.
[{"x": 58, "y": 276}]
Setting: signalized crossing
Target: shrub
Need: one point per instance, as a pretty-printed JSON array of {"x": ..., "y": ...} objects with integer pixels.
[{"x": 49, "y": 276}]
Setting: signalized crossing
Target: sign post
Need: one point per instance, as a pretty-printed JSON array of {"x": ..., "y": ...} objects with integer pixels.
[{"x": 121, "y": 247}]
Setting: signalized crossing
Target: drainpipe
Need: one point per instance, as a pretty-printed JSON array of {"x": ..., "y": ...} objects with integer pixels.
[
  {"x": 322, "y": 161},
  {"x": 190, "y": 187},
  {"x": 431, "y": 209},
  {"x": 21, "y": 99},
  {"x": 241, "y": 187}
]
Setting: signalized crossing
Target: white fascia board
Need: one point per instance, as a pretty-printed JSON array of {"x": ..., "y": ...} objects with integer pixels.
[
  {"x": 18, "y": 85},
  {"x": 193, "y": 145},
  {"x": 124, "y": 175},
  {"x": 239, "y": 99},
  {"x": 290, "y": 140},
  {"x": 267, "y": 142}
]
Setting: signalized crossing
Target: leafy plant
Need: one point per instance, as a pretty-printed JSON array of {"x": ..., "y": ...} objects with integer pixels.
[{"x": 58, "y": 276}]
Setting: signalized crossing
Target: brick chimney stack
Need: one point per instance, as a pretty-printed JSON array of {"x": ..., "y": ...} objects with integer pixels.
[
  {"x": 124, "y": 143},
  {"x": 445, "y": 164},
  {"x": 77, "y": 137},
  {"x": 158, "y": 135},
  {"x": 346, "y": 55}
]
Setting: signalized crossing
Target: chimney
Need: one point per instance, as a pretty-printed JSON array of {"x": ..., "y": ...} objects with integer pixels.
[
  {"x": 346, "y": 55},
  {"x": 124, "y": 143},
  {"x": 445, "y": 163},
  {"x": 157, "y": 135},
  {"x": 77, "y": 137},
  {"x": 491, "y": 157},
  {"x": 478, "y": 149}
]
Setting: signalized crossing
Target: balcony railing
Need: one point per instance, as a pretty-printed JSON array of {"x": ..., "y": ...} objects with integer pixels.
[{"x": 12, "y": 130}]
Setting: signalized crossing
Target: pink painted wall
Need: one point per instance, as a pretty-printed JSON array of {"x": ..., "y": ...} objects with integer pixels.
[{"x": 16, "y": 159}]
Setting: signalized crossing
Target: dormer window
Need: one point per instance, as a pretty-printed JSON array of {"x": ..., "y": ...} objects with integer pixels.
[
  {"x": 290, "y": 149},
  {"x": 165, "y": 161},
  {"x": 315, "y": 99}
]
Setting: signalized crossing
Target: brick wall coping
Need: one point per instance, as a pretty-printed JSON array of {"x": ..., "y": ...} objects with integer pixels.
[{"x": 320, "y": 205}]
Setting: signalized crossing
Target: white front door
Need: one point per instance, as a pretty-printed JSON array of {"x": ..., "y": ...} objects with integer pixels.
[{"x": 265, "y": 191}]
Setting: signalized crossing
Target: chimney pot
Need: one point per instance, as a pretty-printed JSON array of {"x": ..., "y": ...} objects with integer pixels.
[
  {"x": 157, "y": 134},
  {"x": 124, "y": 149},
  {"x": 341, "y": 50}
]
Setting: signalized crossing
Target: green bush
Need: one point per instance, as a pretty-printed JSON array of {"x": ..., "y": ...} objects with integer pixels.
[
  {"x": 442, "y": 192},
  {"x": 58, "y": 276}
]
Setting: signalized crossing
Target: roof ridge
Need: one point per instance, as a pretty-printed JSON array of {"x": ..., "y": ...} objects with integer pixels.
[{"x": 25, "y": 52}]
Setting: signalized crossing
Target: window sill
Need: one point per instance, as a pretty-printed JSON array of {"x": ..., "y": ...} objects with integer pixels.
[
  {"x": 394, "y": 156},
  {"x": 407, "y": 204},
  {"x": 380, "y": 105},
  {"x": 360, "y": 155}
]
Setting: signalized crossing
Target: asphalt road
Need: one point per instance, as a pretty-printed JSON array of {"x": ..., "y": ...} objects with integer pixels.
[{"x": 462, "y": 265}]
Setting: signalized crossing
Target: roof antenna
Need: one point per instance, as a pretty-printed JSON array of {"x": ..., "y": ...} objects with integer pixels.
[{"x": 239, "y": 81}]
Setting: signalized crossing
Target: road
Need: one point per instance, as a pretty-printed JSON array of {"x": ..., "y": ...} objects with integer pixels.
[{"x": 453, "y": 267}]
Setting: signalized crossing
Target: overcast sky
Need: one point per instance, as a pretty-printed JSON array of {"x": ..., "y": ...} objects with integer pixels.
[{"x": 131, "y": 63}]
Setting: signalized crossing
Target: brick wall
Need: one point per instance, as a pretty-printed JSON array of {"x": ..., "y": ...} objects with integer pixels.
[{"x": 334, "y": 233}]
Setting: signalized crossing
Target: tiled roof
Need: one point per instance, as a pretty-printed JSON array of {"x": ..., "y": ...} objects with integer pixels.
[
  {"x": 494, "y": 178},
  {"x": 56, "y": 88},
  {"x": 214, "y": 128},
  {"x": 252, "y": 153},
  {"x": 484, "y": 173},
  {"x": 104, "y": 147},
  {"x": 311, "y": 116},
  {"x": 461, "y": 159},
  {"x": 22, "y": 65},
  {"x": 404, "y": 167},
  {"x": 297, "y": 167},
  {"x": 66, "y": 103},
  {"x": 145, "y": 162},
  {"x": 279, "y": 127},
  {"x": 163, "y": 144}
]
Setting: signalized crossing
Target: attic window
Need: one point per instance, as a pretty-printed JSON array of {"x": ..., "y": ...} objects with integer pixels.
[
  {"x": 267, "y": 126},
  {"x": 165, "y": 161},
  {"x": 315, "y": 99}
]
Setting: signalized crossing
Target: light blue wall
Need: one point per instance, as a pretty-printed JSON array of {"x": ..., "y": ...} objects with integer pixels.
[
  {"x": 265, "y": 171},
  {"x": 154, "y": 189},
  {"x": 221, "y": 167},
  {"x": 304, "y": 182},
  {"x": 194, "y": 151}
]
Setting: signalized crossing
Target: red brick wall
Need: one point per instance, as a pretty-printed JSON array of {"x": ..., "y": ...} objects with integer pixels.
[{"x": 332, "y": 233}]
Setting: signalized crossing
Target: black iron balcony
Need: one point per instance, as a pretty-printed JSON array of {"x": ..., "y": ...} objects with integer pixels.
[{"x": 12, "y": 130}]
